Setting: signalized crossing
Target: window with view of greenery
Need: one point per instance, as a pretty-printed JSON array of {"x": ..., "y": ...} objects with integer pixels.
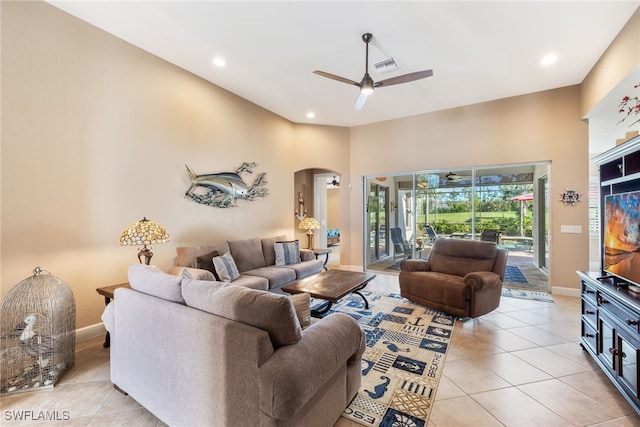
[{"x": 448, "y": 210}]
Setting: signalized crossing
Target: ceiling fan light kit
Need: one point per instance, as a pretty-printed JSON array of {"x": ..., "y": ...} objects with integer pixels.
[{"x": 367, "y": 85}]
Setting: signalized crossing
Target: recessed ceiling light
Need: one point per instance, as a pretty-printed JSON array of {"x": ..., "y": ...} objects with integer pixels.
[
  {"x": 311, "y": 115},
  {"x": 219, "y": 61},
  {"x": 549, "y": 59}
]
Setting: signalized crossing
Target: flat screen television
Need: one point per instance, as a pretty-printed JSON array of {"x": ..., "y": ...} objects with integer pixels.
[{"x": 622, "y": 237}]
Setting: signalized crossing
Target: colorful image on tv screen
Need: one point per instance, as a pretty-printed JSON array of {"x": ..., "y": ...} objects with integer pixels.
[{"x": 622, "y": 235}]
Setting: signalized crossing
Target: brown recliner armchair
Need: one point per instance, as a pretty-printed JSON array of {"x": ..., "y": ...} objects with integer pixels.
[{"x": 461, "y": 277}]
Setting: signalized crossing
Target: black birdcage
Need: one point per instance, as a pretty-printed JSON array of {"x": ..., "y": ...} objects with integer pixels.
[{"x": 37, "y": 322}]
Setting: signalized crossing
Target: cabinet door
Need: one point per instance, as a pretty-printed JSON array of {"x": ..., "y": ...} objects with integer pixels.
[
  {"x": 628, "y": 362},
  {"x": 608, "y": 344}
]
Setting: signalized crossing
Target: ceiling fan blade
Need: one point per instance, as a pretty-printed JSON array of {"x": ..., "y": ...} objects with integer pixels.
[
  {"x": 334, "y": 77},
  {"x": 360, "y": 102},
  {"x": 405, "y": 78}
]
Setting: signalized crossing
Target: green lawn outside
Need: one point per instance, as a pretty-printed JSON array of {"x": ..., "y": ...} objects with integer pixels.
[
  {"x": 466, "y": 216},
  {"x": 507, "y": 221}
]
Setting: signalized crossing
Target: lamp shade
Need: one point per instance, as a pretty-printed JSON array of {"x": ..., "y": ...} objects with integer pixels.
[
  {"x": 309, "y": 224},
  {"x": 144, "y": 232}
]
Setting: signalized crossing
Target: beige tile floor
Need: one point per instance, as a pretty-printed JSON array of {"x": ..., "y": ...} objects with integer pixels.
[{"x": 520, "y": 365}]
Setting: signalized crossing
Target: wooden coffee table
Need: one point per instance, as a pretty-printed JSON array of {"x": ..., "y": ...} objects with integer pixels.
[{"x": 331, "y": 286}]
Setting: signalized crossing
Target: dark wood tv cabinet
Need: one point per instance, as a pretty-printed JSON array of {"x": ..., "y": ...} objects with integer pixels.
[{"x": 611, "y": 330}]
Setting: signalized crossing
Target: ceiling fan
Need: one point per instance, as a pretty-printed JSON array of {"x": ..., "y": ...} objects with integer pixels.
[
  {"x": 367, "y": 84},
  {"x": 335, "y": 182},
  {"x": 455, "y": 177}
]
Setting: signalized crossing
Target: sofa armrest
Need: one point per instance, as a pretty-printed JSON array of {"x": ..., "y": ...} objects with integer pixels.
[
  {"x": 108, "y": 317},
  {"x": 415, "y": 265},
  {"x": 295, "y": 373},
  {"x": 306, "y": 255},
  {"x": 480, "y": 280},
  {"x": 196, "y": 273}
]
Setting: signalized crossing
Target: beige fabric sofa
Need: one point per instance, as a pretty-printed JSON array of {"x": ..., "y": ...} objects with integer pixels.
[
  {"x": 203, "y": 353},
  {"x": 255, "y": 259}
]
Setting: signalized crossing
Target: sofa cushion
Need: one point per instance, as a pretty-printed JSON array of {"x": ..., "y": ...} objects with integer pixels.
[
  {"x": 151, "y": 281},
  {"x": 253, "y": 282},
  {"x": 306, "y": 268},
  {"x": 302, "y": 305},
  {"x": 196, "y": 292},
  {"x": 287, "y": 253},
  {"x": 247, "y": 254},
  {"x": 268, "y": 250},
  {"x": 226, "y": 267},
  {"x": 264, "y": 310},
  {"x": 277, "y": 276},
  {"x": 205, "y": 262},
  {"x": 186, "y": 255}
]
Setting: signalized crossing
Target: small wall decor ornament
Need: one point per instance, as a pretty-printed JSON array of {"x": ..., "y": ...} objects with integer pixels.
[
  {"x": 301, "y": 213},
  {"x": 38, "y": 333},
  {"x": 221, "y": 189},
  {"x": 570, "y": 197}
]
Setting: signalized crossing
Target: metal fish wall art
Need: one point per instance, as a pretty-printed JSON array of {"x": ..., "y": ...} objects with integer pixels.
[{"x": 221, "y": 189}]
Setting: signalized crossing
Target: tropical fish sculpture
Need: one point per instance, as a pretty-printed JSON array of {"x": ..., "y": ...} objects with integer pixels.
[{"x": 221, "y": 189}]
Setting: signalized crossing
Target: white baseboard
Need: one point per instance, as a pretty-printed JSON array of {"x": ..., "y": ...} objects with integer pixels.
[
  {"x": 90, "y": 331},
  {"x": 567, "y": 292}
]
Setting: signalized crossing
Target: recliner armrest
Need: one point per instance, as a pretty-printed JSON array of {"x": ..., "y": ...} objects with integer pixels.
[
  {"x": 480, "y": 280},
  {"x": 295, "y": 373},
  {"x": 415, "y": 265}
]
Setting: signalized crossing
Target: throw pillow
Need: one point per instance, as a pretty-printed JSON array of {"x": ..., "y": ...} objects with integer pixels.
[
  {"x": 186, "y": 274},
  {"x": 302, "y": 304},
  {"x": 205, "y": 262},
  {"x": 226, "y": 267},
  {"x": 287, "y": 253},
  {"x": 262, "y": 309}
]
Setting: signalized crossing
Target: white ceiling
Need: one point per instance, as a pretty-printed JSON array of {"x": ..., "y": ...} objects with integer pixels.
[{"x": 478, "y": 51}]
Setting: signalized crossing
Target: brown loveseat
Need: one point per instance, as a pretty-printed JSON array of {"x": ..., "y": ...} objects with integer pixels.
[{"x": 461, "y": 277}]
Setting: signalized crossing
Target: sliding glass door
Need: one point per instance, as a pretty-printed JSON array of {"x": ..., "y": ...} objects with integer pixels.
[
  {"x": 497, "y": 203},
  {"x": 378, "y": 213}
]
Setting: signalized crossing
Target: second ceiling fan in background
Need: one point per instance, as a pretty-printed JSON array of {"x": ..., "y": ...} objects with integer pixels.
[{"x": 367, "y": 84}]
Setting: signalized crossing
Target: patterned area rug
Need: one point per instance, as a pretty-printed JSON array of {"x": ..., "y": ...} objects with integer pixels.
[
  {"x": 531, "y": 295},
  {"x": 514, "y": 275},
  {"x": 401, "y": 367}
]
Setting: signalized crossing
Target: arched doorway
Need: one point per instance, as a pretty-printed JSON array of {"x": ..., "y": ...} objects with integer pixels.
[{"x": 319, "y": 190}]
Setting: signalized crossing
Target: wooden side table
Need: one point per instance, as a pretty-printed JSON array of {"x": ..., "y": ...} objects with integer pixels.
[
  {"x": 321, "y": 251},
  {"x": 107, "y": 293}
]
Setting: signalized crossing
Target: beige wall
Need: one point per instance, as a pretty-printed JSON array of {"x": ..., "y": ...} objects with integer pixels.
[
  {"x": 95, "y": 135},
  {"x": 333, "y": 208},
  {"x": 620, "y": 58},
  {"x": 544, "y": 126}
]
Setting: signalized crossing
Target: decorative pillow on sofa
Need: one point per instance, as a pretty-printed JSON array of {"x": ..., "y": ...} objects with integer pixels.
[
  {"x": 226, "y": 267},
  {"x": 262, "y": 309},
  {"x": 205, "y": 262},
  {"x": 287, "y": 253}
]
